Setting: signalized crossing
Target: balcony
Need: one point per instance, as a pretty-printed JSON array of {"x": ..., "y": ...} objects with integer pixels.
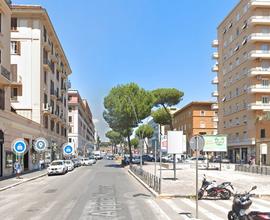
[
  {"x": 214, "y": 106},
  {"x": 259, "y": 71},
  {"x": 258, "y": 37},
  {"x": 47, "y": 109},
  {"x": 215, "y": 43},
  {"x": 47, "y": 45},
  {"x": 17, "y": 83},
  {"x": 215, "y": 68},
  {"x": 259, "y": 89},
  {"x": 46, "y": 64},
  {"x": 262, "y": 20},
  {"x": 53, "y": 94},
  {"x": 215, "y": 94},
  {"x": 215, "y": 119},
  {"x": 259, "y": 54},
  {"x": 54, "y": 58},
  {"x": 215, "y": 55},
  {"x": 259, "y": 106},
  {"x": 215, "y": 80},
  {"x": 5, "y": 76},
  {"x": 241, "y": 141},
  {"x": 259, "y": 3}
]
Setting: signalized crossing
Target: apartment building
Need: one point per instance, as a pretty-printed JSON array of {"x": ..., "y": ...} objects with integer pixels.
[
  {"x": 12, "y": 125},
  {"x": 196, "y": 118},
  {"x": 82, "y": 130},
  {"x": 39, "y": 61},
  {"x": 243, "y": 75}
]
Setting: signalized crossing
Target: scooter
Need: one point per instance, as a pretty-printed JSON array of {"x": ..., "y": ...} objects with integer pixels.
[
  {"x": 241, "y": 203},
  {"x": 211, "y": 189}
]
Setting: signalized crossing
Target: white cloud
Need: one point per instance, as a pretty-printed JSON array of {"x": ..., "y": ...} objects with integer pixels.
[{"x": 95, "y": 120}]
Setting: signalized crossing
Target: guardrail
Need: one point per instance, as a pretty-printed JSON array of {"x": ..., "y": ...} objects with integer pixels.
[
  {"x": 148, "y": 178},
  {"x": 264, "y": 170}
]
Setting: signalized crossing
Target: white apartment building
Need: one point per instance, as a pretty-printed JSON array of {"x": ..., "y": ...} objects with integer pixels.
[
  {"x": 12, "y": 125},
  {"x": 39, "y": 61},
  {"x": 82, "y": 129}
]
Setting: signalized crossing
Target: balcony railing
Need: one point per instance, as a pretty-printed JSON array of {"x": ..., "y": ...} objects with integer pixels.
[
  {"x": 5, "y": 73},
  {"x": 215, "y": 55},
  {"x": 215, "y": 68},
  {"x": 259, "y": 106},
  {"x": 215, "y": 43},
  {"x": 241, "y": 141},
  {"x": 215, "y": 80},
  {"x": 259, "y": 54},
  {"x": 215, "y": 94},
  {"x": 259, "y": 3},
  {"x": 214, "y": 106},
  {"x": 259, "y": 71},
  {"x": 259, "y": 88},
  {"x": 259, "y": 19}
]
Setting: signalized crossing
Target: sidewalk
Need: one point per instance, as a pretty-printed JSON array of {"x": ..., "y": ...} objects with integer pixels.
[
  {"x": 9, "y": 182},
  {"x": 184, "y": 186}
]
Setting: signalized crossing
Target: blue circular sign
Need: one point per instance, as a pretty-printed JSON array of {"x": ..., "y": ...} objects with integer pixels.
[
  {"x": 40, "y": 144},
  {"x": 68, "y": 149},
  {"x": 19, "y": 146}
]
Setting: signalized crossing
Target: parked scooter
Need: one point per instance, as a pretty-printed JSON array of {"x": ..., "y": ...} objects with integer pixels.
[
  {"x": 211, "y": 189},
  {"x": 241, "y": 203}
]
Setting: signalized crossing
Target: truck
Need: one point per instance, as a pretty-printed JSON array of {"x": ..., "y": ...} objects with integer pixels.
[{"x": 97, "y": 154}]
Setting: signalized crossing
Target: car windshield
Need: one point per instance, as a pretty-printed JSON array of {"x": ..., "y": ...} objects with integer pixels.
[
  {"x": 56, "y": 163},
  {"x": 67, "y": 162}
]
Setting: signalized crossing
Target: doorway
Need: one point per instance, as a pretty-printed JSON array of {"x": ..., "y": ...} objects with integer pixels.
[{"x": 25, "y": 161}]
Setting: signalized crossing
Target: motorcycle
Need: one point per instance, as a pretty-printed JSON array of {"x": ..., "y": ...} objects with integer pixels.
[
  {"x": 241, "y": 203},
  {"x": 223, "y": 191}
]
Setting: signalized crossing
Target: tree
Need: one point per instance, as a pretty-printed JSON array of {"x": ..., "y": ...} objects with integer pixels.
[
  {"x": 114, "y": 137},
  {"x": 167, "y": 97},
  {"x": 134, "y": 142},
  {"x": 161, "y": 117},
  {"x": 125, "y": 106},
  {"x": 145, "y": 131}
]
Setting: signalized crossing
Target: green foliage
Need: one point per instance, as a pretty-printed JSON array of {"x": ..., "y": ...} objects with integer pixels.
[
  {"x": 161, "y": 117},
  {"x": 167, "y": 96},
  {"x": 114, "y": 136},
  {"x": 121, "y": 103},
  {"x": 145, "y": 131},
  {"x": 134, "y": 142}
]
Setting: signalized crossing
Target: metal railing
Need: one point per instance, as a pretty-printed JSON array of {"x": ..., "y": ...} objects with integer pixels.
[
  {"x": 5, "y": 73},
  {"x": 264, "y": 170},
  {"x": 148, "y": 178}
]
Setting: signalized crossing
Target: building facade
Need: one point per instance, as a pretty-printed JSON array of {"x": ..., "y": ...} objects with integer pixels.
[
  {"x": 12, "y": 125},
  {"x": 243, "y": 76},
  {"x": 39, "y": 62},
  {"x": 82, "y": 130},
  {"x": 196, "y": 118}
]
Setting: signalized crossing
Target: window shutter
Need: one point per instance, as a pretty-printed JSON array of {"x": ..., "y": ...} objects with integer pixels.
[
  {"x": 13, "y": 68},
  {"x": 18, "y": 47}
]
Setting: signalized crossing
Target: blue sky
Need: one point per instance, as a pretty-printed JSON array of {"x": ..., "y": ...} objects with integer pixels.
[{"x": 155, "y": 43}]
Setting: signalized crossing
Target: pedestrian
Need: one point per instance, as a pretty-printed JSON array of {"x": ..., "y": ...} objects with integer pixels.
[{"x": 18, "y": 169}]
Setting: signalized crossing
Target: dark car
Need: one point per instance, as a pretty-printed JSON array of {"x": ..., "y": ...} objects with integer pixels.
[
  {"x": 76, "y": 162},
  {"x": 148, "y": 158}
]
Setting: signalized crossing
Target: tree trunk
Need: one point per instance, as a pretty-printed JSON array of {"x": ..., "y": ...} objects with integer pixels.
[{"x": 129, "y": 147}]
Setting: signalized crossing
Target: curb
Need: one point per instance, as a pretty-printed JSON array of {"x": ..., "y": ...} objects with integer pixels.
[
  {"x": 155, "y": 194},
  {"x": 24, "y": 181}
]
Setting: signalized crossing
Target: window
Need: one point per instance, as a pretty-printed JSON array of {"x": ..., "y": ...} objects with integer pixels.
[
  {"x": 2, "y": 99},
  {"x": 45, "y": 121},
  {"x": 14, "y": 24},
  {"x": 263, "y": 134},
  {"x": 245, "y": 9},
  {"x": 237, "y": 17},
  {"x": 202, "y": 113},
  {"x": 44, "y": 34},
  {"x": 244, "y": 119},
  {"x": 236, "y": 91},
  {"x": 202, "y": 124},
  {"x": 45, "y": 98},
  {"x": 52, "y": 125},
  {"x": 0, "y": 56},
  {"x": 265, "y": 100},
  {"x": 265, "y": 47},
  {"x": 265, "y": 82},
  {"x": 70, "y": 118},
  {"x": 15, "y": 47},
  {"x": 265, "y": 65},
  {"x": 0, "y": 22},
  {"x": 69, "y": 140},
  {"x": 14, "y": 93}
]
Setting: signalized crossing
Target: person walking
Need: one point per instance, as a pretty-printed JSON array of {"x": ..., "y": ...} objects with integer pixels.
[{"x": 18, "y": 169}]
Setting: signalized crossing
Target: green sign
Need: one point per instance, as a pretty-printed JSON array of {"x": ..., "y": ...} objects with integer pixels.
[{"x": 215, "y": 143}]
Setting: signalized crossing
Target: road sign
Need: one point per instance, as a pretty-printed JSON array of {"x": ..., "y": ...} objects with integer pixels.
[
  {"x": 196, "y": 139},
  {"x": 68, "y": 149},
  {"x": 175, "y": 142},
  {"x": 19, "y": 146},
  {"x": 215, "y": 143},
  {"x": 40, "y": 144},
  {"x": 263, "y": 148}
]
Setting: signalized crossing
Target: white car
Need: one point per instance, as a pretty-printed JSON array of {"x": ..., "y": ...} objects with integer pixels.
[
  {"x": 57, "y": 167},
  {"x": 92, "y": 158},
  {"x": 87, "y": 162},
  {"x": 69, "y": 164}
]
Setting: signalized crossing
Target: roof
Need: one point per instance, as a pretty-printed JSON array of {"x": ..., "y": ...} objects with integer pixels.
[{"x": 194, "y": 103}]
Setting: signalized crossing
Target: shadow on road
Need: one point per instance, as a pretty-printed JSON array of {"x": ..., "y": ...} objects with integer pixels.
[
  {"x": 114, "y": 166},
  {"x": 141, "y": 194}
]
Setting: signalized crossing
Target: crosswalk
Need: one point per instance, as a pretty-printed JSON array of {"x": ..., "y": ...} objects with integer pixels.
[{"x": 209, "y": 209}]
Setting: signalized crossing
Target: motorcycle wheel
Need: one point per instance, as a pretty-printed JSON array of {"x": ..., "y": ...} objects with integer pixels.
[
  {"x": 200, "y": 194},
  {"x": 226, "y": 194},
  {"x": 230, "y": 215}
]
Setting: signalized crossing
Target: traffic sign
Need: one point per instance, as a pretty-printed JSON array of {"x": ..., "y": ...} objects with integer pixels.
[
  {"x": 197, "y": 139},
  {"x": 68, "y": 149},
  {"x": 19, "y": 146},
  {"x": 40, "y": 144}
]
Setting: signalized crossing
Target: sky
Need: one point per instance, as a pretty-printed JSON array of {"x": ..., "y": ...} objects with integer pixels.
[{"x": 154, "y": 43}]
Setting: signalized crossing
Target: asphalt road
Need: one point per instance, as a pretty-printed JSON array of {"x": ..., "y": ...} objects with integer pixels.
[{"x": 102, "y": 191}]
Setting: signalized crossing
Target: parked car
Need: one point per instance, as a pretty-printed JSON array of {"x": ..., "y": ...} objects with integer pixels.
[
  {"x": 225, "y": 160},
  {"x": 201, "y": 159},
  {"x": 148, "y": 157},
  {"x": 137, "y": 160},
  {"x": 57, "y": 167},
  {"x": 87, "y": 162},
  {"x": 110, "y": 157},
  {"x": 92, "y": 157},
  {"x": 69, "y": 164},
  {"x": 77, "y": 162}
]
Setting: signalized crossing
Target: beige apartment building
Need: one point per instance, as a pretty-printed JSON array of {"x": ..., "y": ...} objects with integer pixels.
[
  {"x": 12, "y": 125},
  {"x": 243, "y": 76},
  {"x": 196, "y": 118},
  {"x": 39, "y": 62},
  {"x": 82, "y": 130}
]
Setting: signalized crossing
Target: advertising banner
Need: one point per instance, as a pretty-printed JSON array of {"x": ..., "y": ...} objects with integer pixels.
[{"x": 215, "y": 143}]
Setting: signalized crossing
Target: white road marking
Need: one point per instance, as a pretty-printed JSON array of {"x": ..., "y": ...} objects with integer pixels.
[
  {"x": 159, "y": 213},
  {"x": 176, "y": 208},
  {"x": 215, "y": 205},
  {"x": 43, "y": 212}
]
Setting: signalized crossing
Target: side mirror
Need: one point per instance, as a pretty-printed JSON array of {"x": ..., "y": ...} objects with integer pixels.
[{"x": 254, "y": 187}]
